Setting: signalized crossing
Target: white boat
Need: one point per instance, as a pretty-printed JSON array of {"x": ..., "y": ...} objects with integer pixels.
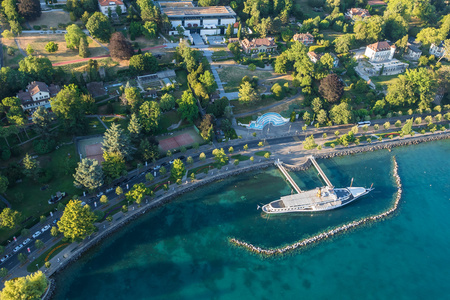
[{"x": 320, "y": 199}]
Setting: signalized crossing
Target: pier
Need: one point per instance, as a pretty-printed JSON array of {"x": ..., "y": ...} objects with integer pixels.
[
  {"x": 279, "y": 164},
  {"x": 321, "y": 173}
]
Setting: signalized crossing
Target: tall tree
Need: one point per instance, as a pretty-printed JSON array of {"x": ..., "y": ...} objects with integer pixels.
[
  {"x": 187, "y": 106},
  {"x": 229, "y": 32},
  {"x": 149, "y": 12},
  {"x": 132, "y": 97},
  {"x": 83, "y": 51},
  {"x": 137, "y": 193},
  {"x": 247, "y": 93},
  {"x": 119, "y": 47},
  {"x": 208, "y": 82},
  {"x": 149, "y": 114},
  {"x": 89, "y": 174},
  {"x": 220, "y": 157},
  {"x": 70, "y": 107},
  {"x": 116, "y": 142},
  {"x": 331, "y": 88},
  {"x": 3, "y": 184},
  {"x": 74, "y": 36},
  {"x": 38, "y": 68},
  {"x": 178, "y": 169},
  {"x": 341, "y": 114},
  {"x": 42, "y": 118},
  {"x": 31, "y": 286},
  {"x": 30, "y": 166},
  {"x": 99, "y": 26},
  {"x": 113, "y": 166},
  {"x": 167, "y": 102},
  {"x": 206, "y": 128},
  {"x": 77, "y": 221},
  {"x": 134, "y": 128},
  {"x": 9, "y": 218}
]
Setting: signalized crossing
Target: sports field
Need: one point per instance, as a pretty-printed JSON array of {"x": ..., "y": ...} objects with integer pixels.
[
  {"x": 91, "y": 148},
  {"x": 185, "y": 138}
]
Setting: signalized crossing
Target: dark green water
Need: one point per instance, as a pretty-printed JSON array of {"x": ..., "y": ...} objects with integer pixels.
[{"x": 180, "y": 251}]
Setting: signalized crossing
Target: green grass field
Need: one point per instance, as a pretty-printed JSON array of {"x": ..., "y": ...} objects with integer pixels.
[
  {"x": 331, "y": 35},
  {"x": 232, "y": 76},
  {"x": 384, "y": 80}
]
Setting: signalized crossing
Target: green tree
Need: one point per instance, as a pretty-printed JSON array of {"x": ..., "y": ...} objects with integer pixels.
[
  {"x": 245, "y": 147},
  {"x": 309, "y": 143},
  {"x": 9, "y": 218},
  {"x": 260, "y": 144},
  {"x": 137, "y": 193},
  {"x": 3, "y": 184},
  {"x": 202, "y": 156},
  {"x": 113, "y": 166},
  {"x": 51, "y": 47},
  {"x": 25, "y": 232},
  {"x": 134, "y": 128},
  {"x": 167, "y": 102},
  {"x": 178, "y": 169},
  {"x": 206, "y": 128},
  {"x": 39, "y": 244},
  {"x": 148, "y": 151},
  {"x": 22, "y": 258},
  {"x": 220, "y": 157},
  {"x": 407, "y": 128},
  {"x": 267, "y": 155},
  {"x": 119, "y": 191},
  {"x": 428, "y": 36},
  {"x": 163, "y": 171},
  {"x": 229, "y": 32},
  {"x": 29, "y": 287},
  {"x": 48, "y": 264},
  {"x": 99, "y": 26},
  {"x": 331, "y": 88},
  {"x": 116, "y": 142},
  {"x": 341, "y": 114},
  {"x": 150, "y": 29},
  {"x": 344, "y": 43},
  {"x": 208, "y": 82},
  {"x": 29, "y": 50},
  {"x": 54, "y": 231},
  {"x": 387, "y": 125},
  {"x": 89, "y": 174},
  {"x": 190, "y": 160},
  {"x": 83, "y": 50},
  {"x": 29, "y": 9},
  {"x": 247, "y": 93},
  {"x": 42, "y": 118},
  {"x": 3, "y": 272},
  {"x": 187, "y": 107},
  {"x": 70, "y": 107},
  {"x": 231, "y": 150},
  {"x": 77, "y": 221},
  {"x": 306, "y": 117},
  {"x": 149, "y": 177},
  {"x": 132, "y": 97},
  {"x": 150, "y": 114},
  {"x": 42, "y": 219},
  {"x": 252, "y": 159},
  {"x": 39, "y": 68},
  {"x": 74, "y": 36},
  {"x": 322, "y": 116},
  {"x": 30, "y": 166},
  {"x": 119, "y": 47}
]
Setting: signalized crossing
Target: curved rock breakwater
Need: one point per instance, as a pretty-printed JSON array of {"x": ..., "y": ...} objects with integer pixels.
[{"x": 327, "y": 234}]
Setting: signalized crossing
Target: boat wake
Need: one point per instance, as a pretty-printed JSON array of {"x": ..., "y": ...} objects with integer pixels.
[{"x": 327, "y": 234}]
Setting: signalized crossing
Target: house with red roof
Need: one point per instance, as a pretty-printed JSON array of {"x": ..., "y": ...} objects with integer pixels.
[
  {"x": 380, "y": 51},
  {"x": 258, "y": 45},
  {"x": 305, "y": 38},
  {"x": 37, "y": 94},
  {"x": 104, "y": 5}
]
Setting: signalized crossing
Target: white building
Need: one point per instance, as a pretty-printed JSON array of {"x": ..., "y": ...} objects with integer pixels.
[
  {"x": 315, "y": 57},
  {"x": 112, "y": 4},
  {"x": 37, "y": 94},
  {"x": 380, "y": 51},
  {"x": 191, "y": 17},
  {"x": 412, "y": 52},
  {"x": 437, "y": 50}
]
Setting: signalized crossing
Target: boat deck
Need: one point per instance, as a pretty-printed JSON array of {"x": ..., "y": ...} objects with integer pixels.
[{"x": 307, "y": 198}]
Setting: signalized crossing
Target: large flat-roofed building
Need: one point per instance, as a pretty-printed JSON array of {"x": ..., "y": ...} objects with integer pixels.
[{"x": 188, "y": 16}]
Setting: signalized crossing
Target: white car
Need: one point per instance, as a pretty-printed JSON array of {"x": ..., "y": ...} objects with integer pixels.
[
  {"x": 36, "y": 234},
  {"x": 46, "y": 227},
  {"x": 5, "y": 258},
  {"x": 26, "y": 241},
  {"x": 18, "y": 248}
]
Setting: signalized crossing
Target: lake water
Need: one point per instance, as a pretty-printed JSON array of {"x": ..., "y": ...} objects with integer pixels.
[{"x": 181, "y": 250}]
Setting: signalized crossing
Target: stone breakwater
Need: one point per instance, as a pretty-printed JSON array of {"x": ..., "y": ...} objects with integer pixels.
[
  {"x": 386, "y": 144},
  {"x": 89, "y": 243},
  {"x": 327, "y": 234}
]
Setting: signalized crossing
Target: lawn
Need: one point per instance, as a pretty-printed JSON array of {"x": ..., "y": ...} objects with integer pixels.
[
  {"x": 38, "y": 43},
  {"x": 243, "y": 108},
  {"x": 331, "y": 35},
  {"x": 95, "y": 127},
  {"x": 40, "y": 261},
  {"x": 231, "y": 76},
  {"x": 144, "y": 42},
  {"x": 262, "y": 153},
  {"x": 240, "y": 157},
  {"x": 167, "y": 119},
  {"x": 52, "y": 19},
  {"x": 201, "y": 169},
  {"x": 30, "y": 197},
  {"x": 11, "y": 60},
  {"x": 385, "y": 80},
  {"x": 123, "y": 123}
]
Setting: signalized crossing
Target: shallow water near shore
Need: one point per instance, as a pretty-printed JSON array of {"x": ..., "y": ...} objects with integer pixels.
[{"x": 181, "y": 250}]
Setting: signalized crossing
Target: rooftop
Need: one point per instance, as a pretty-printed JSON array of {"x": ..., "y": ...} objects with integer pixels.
[
  {"x": 196, "y": 11},
  {"x": 175, "y": 4},
  {"x": 109, "y": 2},
  {"x": 268, "y": 42},
  {"x": 381, "y": 46}
]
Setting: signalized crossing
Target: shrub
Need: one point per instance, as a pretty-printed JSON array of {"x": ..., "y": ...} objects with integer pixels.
[
  {"x": 37, "y": 27},
  {"x": 43, "y": 146}
]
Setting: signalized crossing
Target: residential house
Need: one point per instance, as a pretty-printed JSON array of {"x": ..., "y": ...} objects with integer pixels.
[
  {"x": 380, "y": 51},
  {"x": 37, "y": 94},
  {"x": 437, "y": 50},
  {"x": 104, "y": 5},
  {"x": 412, "y": 52},
  {"x": 315, "y": 57},
  {"x": 355, "y": 12},
  {"x": 258, "y": 45},
  {"x": 305, "y": 38}
]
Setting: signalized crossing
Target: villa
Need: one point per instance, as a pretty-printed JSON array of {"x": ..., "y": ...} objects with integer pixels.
[
  {"x": 437, "y": 50},
  {"x": 258, "y": 45},
  {"x": 412, "y": 52},
  {"x": 37, "y": 94},
  {"x": 305, "y": 38},
  {"x": 353, "y": 13},
  {"x": 315, "y": 57},
  {"x": 105, "y": 5},
  {"x": 381, "y": 59},
  {"x": 380, "y": 51}
]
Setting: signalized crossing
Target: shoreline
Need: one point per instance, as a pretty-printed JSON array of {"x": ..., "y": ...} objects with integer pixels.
[{"x": 78, "y": 252}]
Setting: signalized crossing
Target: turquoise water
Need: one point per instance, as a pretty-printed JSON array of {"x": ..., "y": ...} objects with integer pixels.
[{"x": 181, "y": 251}]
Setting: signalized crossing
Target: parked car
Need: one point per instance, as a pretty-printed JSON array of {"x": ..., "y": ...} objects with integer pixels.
[
  {"x": 100, "y": 194},
  {"x": 59, "y": 196},
  {"x": 5, "y": 258},
  {"x": 46, "y": 227},
  {"x": 83, "y": 203},
  {"x": 18, "y": 247},
  {"x": 171, "y": 162},
  {"x": 157, "y": 167},
  {"x": 36, "y": 234},
  {"x": 26, "y": 241},
  {"x": 55, "y": 221}
]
